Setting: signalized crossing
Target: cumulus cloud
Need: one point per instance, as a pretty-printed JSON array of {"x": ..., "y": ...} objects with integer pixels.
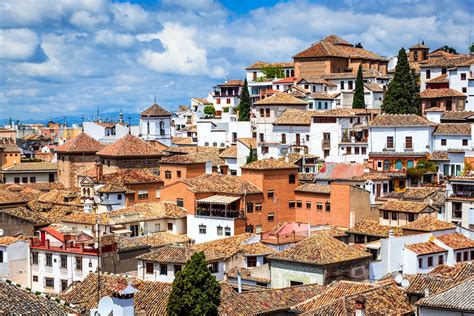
[
  {"x": 17, "y": 44},
  {"x": 111, "y": 38},
  {"x": 87, "y": 20}
]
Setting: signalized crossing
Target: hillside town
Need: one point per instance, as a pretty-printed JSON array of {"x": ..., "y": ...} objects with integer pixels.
[{"x": 306, "y": 187}]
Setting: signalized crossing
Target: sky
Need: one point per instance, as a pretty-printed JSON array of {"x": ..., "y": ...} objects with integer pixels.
[{"x": 69, "y": 57}]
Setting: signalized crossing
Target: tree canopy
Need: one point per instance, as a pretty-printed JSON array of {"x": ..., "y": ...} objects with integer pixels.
[
  {"x": 244, "y": 105},
  {"x": 271, "y": 72},
  {"x": 209, "y": 110},
  {"x": 402, "y": 95},
  {"x": 358, "y": 102},
  {"x": 195, "y": 290}
]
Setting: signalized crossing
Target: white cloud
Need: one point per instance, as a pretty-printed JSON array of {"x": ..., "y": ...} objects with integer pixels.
[
  {"x": 111, "y": 38},
  {"x": 131, "y": 17},
  {"x": 17, "y": 44},
  {"x": 87, "y": 20}
]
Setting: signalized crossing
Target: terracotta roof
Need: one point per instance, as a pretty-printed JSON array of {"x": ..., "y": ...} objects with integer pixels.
[
  {"x": 456, "y": 241},
  {"x": 433, "y": 283},
  {"x": 131, "y": 176},
  {"x": 218, "y": 183},
  {"x": 202, "y": 100},
  {"x": 339, "y": 171},
  {"x": 229, "y": 152},
  {"x": 400, "y": 120},
  {"x": 373, "y": 228},
  {"x": 424, "y": 248},
  {"x": 374, "y": 87},
  {"x": 419, "y": 193},
  {"x": 146, "y": 211},
  {"x": 246, "y": 274},
  {"x": 33, "y": 166},
  {"x": 19, "y": 301},
  {"x": 434, "y": 109},
  {"x": 82, "y": 143},
  {"x": 439, "y": 79},
  {"x": 26, "y": 214},
  {"x": 453, "y": 129},
  {"x": 441, "y": 53},
  {"x": 419, "y": 45},
  {"x": 366, "y": 73},
  {"x": 182, "y": 159},
  {"x": 294, "y": 117},
  {"x": 113, "y": 187},
  {"x": 161, "y": 239},
  {"x": 262, "y": 64},
  {"x": 232, "y": 82},
  {"x": 320, "y": 250},
  {"x": 269, "y": 164},
  {"x": 83, "y": 218},
  {"x": 7, "y": 197},
  {"x": 168, "y": 254},
  {"x": 329, "y": 230},
  {"x": 192, "y": 149},
  {"x": 335, "y": 113},
  {"x": 374, "y": 176},
  {"x": 459, "y": 271},
  {"x": 332, "y": 47},
  {"x": 447, "y": 61},
  {"x": 428, "y": 223},
  {"x": 181, "y": 140},
  {"x": 61, "y": 197},
  {"x": 151, "y": 298},
  {"x": 318, "y": 80},
  {"x": 441, "y": 155},
  {"x": 155, "y": 111},
  {"x": 256, "y": 249},
  {"x": 440, "y": 93},
  {"x": 404, "y": 206},
  {"x": 8, "y": 240},
  {"x": 285, "y": 80},
  {"x": 130, "y": 146},
  {"x": 248, "y": 142},
  {"x": 458, "y": 297},
  {"x": 281, "y": 99},
  {"x": 323, "y": 96},
  {"x": 457, "y": 116},
  {"x": 314, "y": 188},
  {"x": 212, "y": 156}
]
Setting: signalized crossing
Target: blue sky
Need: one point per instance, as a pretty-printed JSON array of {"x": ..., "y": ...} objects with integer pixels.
[{"x": 65, "y": 57}]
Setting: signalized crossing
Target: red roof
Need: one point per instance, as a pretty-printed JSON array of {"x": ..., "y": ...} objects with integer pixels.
[
  {"x": 53, "y": 232},
  {"x": 130, "y": 146},
  {"x": 285, "y": 80},
  {"x": 82, "y": 143},
  {"x": 155, "y": 110}
]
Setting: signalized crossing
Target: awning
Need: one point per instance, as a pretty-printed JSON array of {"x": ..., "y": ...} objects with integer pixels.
[{"x": 219, "y": 199}]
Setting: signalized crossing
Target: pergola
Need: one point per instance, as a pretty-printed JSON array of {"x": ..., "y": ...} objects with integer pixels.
[{"x": 218, "y": 205}]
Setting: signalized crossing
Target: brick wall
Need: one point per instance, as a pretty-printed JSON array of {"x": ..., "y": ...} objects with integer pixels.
[{"x": 69, "y": 166}]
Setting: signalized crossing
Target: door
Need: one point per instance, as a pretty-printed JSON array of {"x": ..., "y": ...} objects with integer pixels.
[{"x": 298, "y": 139}]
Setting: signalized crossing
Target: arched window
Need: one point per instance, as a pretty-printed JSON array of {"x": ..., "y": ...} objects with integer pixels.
[
  {"x": 162, "y": 128},
  {"x": 410, "y": 164},
  {"x": 398, "y": 165},
  {"x": 386, "y": 165}
]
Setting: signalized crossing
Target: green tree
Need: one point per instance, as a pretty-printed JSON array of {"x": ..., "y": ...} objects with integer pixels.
[
  {"x": 271, "y": 72},
  {"x": 449, "y": 49},
  {"x": 244, "y": 105},
  {"x": 358, "y": 102},
  {"x": 251, "y": 157},
  {"x": 195, "y": 290},
  {"x": 471, "y": 48},
  {"x": 209, "y": 110},
  {"x": 402, "y": 95}
]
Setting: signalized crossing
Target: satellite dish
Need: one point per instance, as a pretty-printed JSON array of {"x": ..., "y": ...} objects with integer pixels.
[
  {"x": 106, "y": 306},
  {"x": 405, "y": 283},
  {"x": 399, "y": 278}
]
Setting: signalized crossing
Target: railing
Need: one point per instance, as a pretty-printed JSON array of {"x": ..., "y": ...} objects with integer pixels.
[
  {"x": 463, "y": 194},
  {"x": 219, "y": 213},
  {"x": 348, "y": 139},
  {"x": 408, "y": 146}
]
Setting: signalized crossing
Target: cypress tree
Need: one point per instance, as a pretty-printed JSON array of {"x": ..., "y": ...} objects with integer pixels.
[
  {"x": 195, "y": 290},
  {"x": 244, "y": 105},
  {"x": 402, "y": 93},
  {"x": 358, "y": 102}
]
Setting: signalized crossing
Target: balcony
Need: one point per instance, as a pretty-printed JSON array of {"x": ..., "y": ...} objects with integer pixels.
[
  {"x": 326, "y": 143},
  {"x": 219, "y": 206}
]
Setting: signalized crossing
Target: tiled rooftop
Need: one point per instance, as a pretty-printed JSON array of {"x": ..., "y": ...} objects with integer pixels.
[
  {"x": 457, "y": 116},
  {"x": 320, "y": 250},
  {"x": 456, "y": 241},
  {"x": 453, "y": 129},
  {"x": 218, "y": 183},
  {"x": 458, "y": 297},
  {"x": 182, "y": 159},
  {"x": 33, "y": 166},
  {"x": 400, "y": 120},
  {"x": 340, "y": 171},
  {"x": 113, "y": 187},
  {"x": 82, "y": 143},
  {"x": 314, "y": 188},
  {"x": 427, "y": 223},
  {"x": 439, "y": 155},
  {"x": 229, "y": 152},
  {"x": 404, "y": 206},
  {"x": 8, "y": 240},
  {"x": 26, "y": 214},
  {"x": 269, "y": 163},
  {"x": 262, "y": 64},
  {"x": 146, "y": 211},
  {"x": 294, "y": 117},
  {"x": 249, "y": 142},
  {"x": 424, "y": 248},
  {"x": 439, "y": 79},
  {"x": 130, "y": 146},
  {"x": 450, "y": 61},
  {"x": 281, "y": 99},
  {"x": 155, "y": 111},
  {"x": 131, "y": 176},
  {"x": 419, "y": 193},
  {"x": 433, "y": 283},
  {"x": 373, "y": 228},
  {"x": 440, "y": 93},
  {"x": 181, "y": 140}
]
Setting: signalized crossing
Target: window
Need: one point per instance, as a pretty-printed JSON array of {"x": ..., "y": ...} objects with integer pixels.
[
  {"x": 466, "y": 256},
  {"x": 440, "y": 259},
  {"x": 251, "y": 262},
  {"x": 394, "y": 216},
  {"x": 270, "y": 194},
  {"x": 262, "y": 137},
  {"x": 464, "y": 142},
  {"x": 119, "y": 196},
  {"x": 170, "y": 226},
  {"x": 443, "y": 71},
  {"x": 49, "y": 282},
  {"x": 420, "y": 263},
  {"x": 142, "y": 194},
  {"x": 134, "y": 230},
  {"x": 178, "y": 174},
  {"x": 63, "y": 259},
  {"x": 16, "y": 180},
  {"x": 24, "y": 180},
  {"x": 428, "y": 74},
  {"x": 167, "y": 174},
  {"x": 49, "y": 260},
  {"x": 430, "y": 261},
  {"x": 389, "y": 141},
  {"x": 349, "y": 150},
  {"x": 234, "y": 137},
  {"x": 262, "y": 112},
  {"x": 177, "y": 268},
  {"x": 342, "y": 85},
  {"x": 79, "y": 263},
  {"x": 410, "y": 164},
  {"x": 359, "y": 239},
  {"x": 386, "y": 165},
  {"x": 267, "y": 112},
  {"x": 328, "y": 207},
  {"x": 408, "y": 142},
  {"x": 214, "y": 267},
  {"x": 299, "y": 204},
  {"x": 472, "y": 254},
  {"x": 307, "y": 138},
  {"x": 443, "y": 142},
  {"x": 271, "y": 217},
  {"x": 398, "y": 165},
  {"x": 180, "y": 202},
  {"x": 202, "y": 229},
  {"x": 264, "y": 149},
  {"x": 283, "y": 138},
  {"x": 295, "y": 283},
  {"x": 458, "y": 257},
  {"x": 220, "y": 231},
  {"x": 249, "y": 229},
  {"x": 319, "y": 206},
  {"x": 308, "y": 204},
  {"x": 63, "y": 285},
  {"x": 356, "y": 150},
  {"x": 249, "y": 207},
  {"x": 258, "y": 207},
  {"x": 32, "y": 179},
  {"x": 163, "y": 269},
  {"x": 1, "y": 256},
  {"x": 218, "y": 101},
  {"x": 350, "y": 85},
  {"x": 463, "y": 76},
  {"x": 411, "y": 217},
  {"x": 34, "y": 258},
  {"x": 227, "y": 231},
  {"x": 228, "y": 101},
  {"x": 291, "y": 204},
  {"x": 35, "y": 278},
  {"x": 291, "y": 179},
  {"x": 385, "y": 215}
]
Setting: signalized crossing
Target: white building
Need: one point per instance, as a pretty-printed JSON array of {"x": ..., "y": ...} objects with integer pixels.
[
  {"x": 106, "y": 132},
  {"x": 182, "y": 120},
  {"x": 31, "y": 172},
  {"x": 155, "y": 124},
  {"x": 460, "y": 199},
  {"x": 14, "y": 260},
  {"x": 222, "y": 132}
]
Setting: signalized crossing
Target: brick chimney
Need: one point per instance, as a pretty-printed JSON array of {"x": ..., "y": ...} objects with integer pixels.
[
  {"x": 360, "y": 306},
  {"x": 98, "y": 171}
]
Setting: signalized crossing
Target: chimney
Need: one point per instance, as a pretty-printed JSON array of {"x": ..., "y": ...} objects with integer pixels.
[
  {"x": 99, "y": 171},
  {"x": 123, "y": 301},
  {"x": 390, "y": 233},
  {"x": 239, "y": 282},
  {"x": 359, "y": 307}
]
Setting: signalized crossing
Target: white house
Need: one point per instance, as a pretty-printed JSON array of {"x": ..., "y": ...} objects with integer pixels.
[
  {"x": 106, "y": 132},
  {"x": 31, "y": 172},
  {"x": 222, "y": 132},
  {"x": 155, "y": 124},
  {"x": 460, "y": 197},
  {"x": 14, "y": 260}
]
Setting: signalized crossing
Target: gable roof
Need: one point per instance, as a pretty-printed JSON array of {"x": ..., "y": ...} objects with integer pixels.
[
  {"x": 404, "y": 120},
  {"x": 229, "y": 152},
  {"x": 457, "y": 115},
  {"x": 314, "y": 188},
  {"x": 248, "y": 142},
  {"x": 82, "y": 143},
  {"x": 294, "y": 117},
  {"x": 281, "y": 99},
  {"x": 262, "y": 64},
  {"x": 131, "y": 176},
  {"x": 458, "y": 297},
  {"x": 453, "y": 129},
  {"x": 424, "y": 248},
  {"x": 427, "y": 223},
  {"x": 320, "y": 249},
  {"x": 339, "y": 171},
  {"x": 373, "y": 228},
  {"x": 219, "y": 183},
  {"x": 269, "y": 164},
  {"x": 33, "y": 166},
  {"x": 147, "y": 211},
  {"x": 130, "y": 146},
  {"x": 26, "y": 214},
  {"x": 405, "y": 206},
  {"x": 155, "y": 111},
  {"x": 456, "y": 241},
  {"x": 439, "y": 79},
  {"x": 440, "y": 93}
]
